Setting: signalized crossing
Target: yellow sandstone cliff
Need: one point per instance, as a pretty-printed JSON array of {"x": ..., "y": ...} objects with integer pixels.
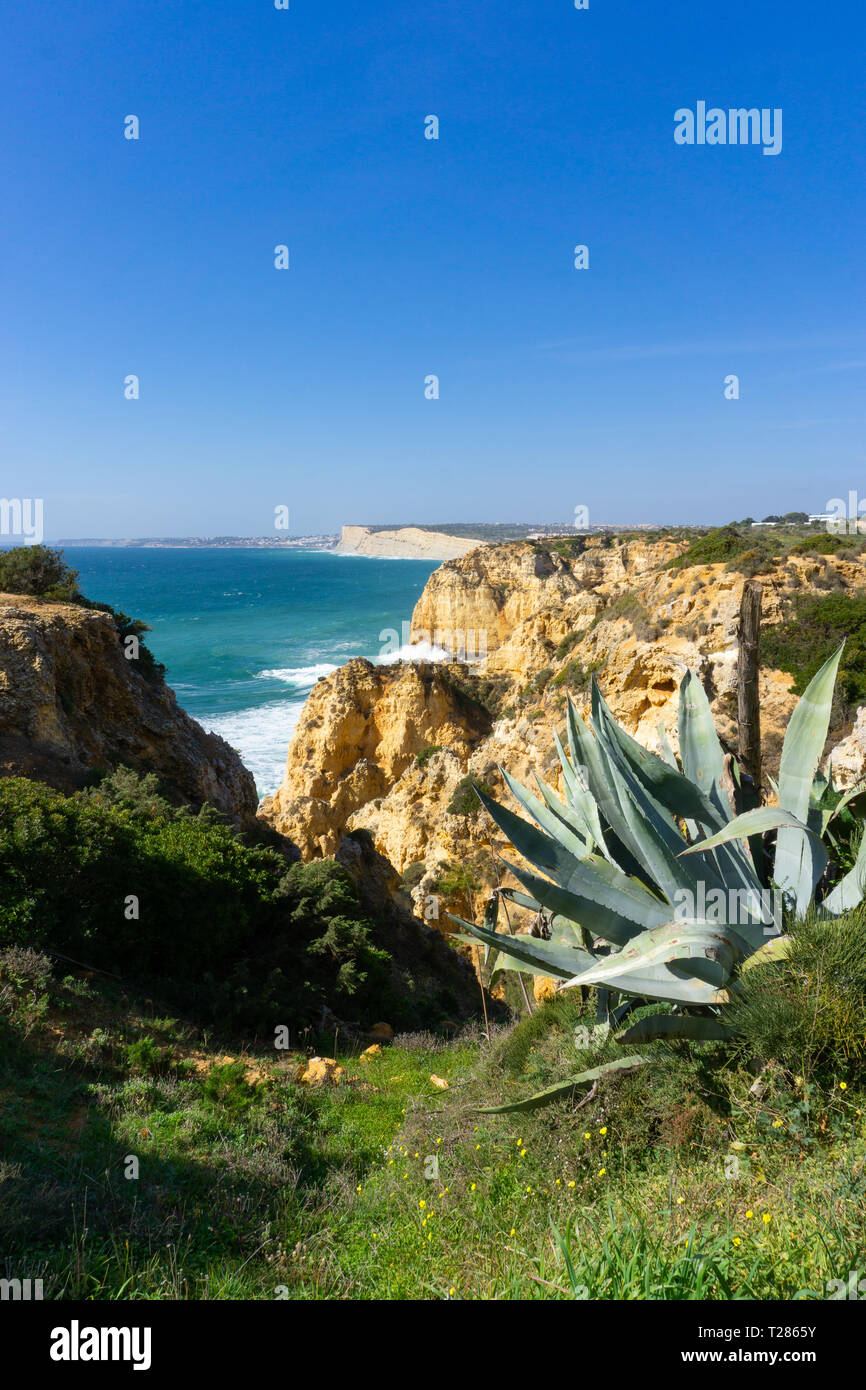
[
  {"x": 549, "y": 620},
  {"x": 72, "y": 705}
]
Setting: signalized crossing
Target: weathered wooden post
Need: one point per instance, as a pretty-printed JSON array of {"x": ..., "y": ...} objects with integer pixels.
[{"x": 748, "y": 704}]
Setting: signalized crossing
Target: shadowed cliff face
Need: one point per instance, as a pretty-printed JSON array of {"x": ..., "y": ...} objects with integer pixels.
[
  {"x": 72, "y": 705},
  {"x": 549, "y": 621}
]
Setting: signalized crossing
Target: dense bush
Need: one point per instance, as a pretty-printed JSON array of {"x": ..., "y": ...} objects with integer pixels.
[
  {"x": 37, "y": 570},
  {"x": 464, "y": 801},
  {"x": 720, "y": 544},
  {"x": 117, "y": 879},
  {"x": 808, "y": 1013},
  {"x": 812, "y": 630}
]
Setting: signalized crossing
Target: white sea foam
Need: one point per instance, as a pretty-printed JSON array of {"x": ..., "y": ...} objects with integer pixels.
[
  {"x": 418, "y": 651},
  {"x": 261, "y": 736},
  {"x": 302, "y": 676}
]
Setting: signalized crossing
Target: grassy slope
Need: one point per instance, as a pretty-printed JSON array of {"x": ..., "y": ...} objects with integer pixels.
[{"x": 252, "y": 1186}]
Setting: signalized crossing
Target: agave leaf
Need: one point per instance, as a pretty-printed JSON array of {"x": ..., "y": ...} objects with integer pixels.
[
  {"x": 580, "y": 813},
  {"x": 775, "y": 950},
  {"x": 690, "y": 1026},
  {"x": 651, "y": 834},
  {"x": 670, "y": 789},
  {"x": 755, "y": 822},
  {"x": 562, "y": 1088},
  {"x": 514, "y": 895},
  {"x": 798, "y": 865},
  {"x": 684, "y": 962},
  {"x": 549, "y": 957},
  {"x": 805, "y": 738},
  {"x": 500, "y": 960},
  {"x": 852, "y": 795},
  {"x": 849, "y": 891},
  {"x": 664, "y": 743},
  {"x": 547, "y": 818},
  {"x": 568, "y": 776},
  {"x": 700, "y": 750},
  {"x": 601, "y": 899}
]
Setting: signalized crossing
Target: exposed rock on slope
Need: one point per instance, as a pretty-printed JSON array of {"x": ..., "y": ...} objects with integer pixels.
[
  {"x": 360, "y": 730},
  {"x": 71, "y": 704},
  {"x": 407, "y": 542}
]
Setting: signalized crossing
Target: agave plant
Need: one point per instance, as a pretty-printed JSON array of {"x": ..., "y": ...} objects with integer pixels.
[{"x": 651, "y": 884}]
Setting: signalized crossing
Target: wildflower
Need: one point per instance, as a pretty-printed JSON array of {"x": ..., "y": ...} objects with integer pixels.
[
  {"x": 601, "y": 1172},
  {"x": 522, "y": 1153},
  {"x": 477, "y": 1147},
  {"x": 777, "y": 1124},
  {"x": 749, "y": 1215},
  {"x": 680, "y": 1201},
  {"x": 452, "y": 1292},
  {"x": 472, "y": 1188},
  {"x": 438, "y": 1141},
  {"x": 843, "y": 1085},
  {"x": 558, "y": 1182},
  {"x": 603, "y": 1130},
  {"x": 571, "y": 1184},
  {"x": 358, "y": 1188},
  {"x": 766, "y": 1218},
  {"x": 587, "y": 1135},
  {"x": 512, "y": 1232},
  {"x": 737, "y": 1240},
  {"x": 422, "y": 1204}
]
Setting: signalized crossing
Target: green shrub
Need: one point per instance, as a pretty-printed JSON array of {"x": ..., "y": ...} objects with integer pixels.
[
  {"x": 808, "y": 1013},
  {"x": 144, "y": 1057},
  {"x": 718, "y": 545},
  {"x": 822, "y": 544},
  {"x": 464, "y": 801},
  {"x": 221, "y": 929},
  {"x": 423, "y": 758},
  {"x": 413, "y": 874},
  {"x": 812, "y": 628},
  {"x": 39, "y": 571},
  {"x": 227, "y": 1088}
]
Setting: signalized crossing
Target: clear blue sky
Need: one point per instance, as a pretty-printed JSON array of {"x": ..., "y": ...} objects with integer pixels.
[{"x": 409, "y": 257}]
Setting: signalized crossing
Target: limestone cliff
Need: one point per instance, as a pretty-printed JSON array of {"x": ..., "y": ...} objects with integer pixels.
[
  {"x": 72, "y": 705},
  {"x": 360, "y": 730},
  {"x": 406, "y": 542},
  {"x": 549, "y": 616}
]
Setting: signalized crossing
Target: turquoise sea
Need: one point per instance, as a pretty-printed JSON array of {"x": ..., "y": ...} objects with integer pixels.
[{"x": 244, "y": 634}]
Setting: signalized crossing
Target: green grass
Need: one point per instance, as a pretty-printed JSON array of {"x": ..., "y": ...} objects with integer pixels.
[{"x": 253, "y": 1186}]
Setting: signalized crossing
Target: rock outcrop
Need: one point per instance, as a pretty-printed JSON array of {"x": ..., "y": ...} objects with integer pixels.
[
  {"x": 406, "y": 542},
  {"x": 72, "y": 705},
  {"x": 361, "y": 729},
  {"x": 549, "y": 615}
]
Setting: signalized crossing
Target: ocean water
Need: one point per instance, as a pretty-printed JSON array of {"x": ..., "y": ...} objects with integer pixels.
[{"x": 244, "y": 634}]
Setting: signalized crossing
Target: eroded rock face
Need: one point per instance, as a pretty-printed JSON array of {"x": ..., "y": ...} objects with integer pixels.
[
  {"x": 549, "y": 621},
  {"x": 72, "y": 705},
  {"x": 360, "y": 730}
]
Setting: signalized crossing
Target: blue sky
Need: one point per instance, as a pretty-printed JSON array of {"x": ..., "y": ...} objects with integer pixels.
[{"x": 305, "y": 387}]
